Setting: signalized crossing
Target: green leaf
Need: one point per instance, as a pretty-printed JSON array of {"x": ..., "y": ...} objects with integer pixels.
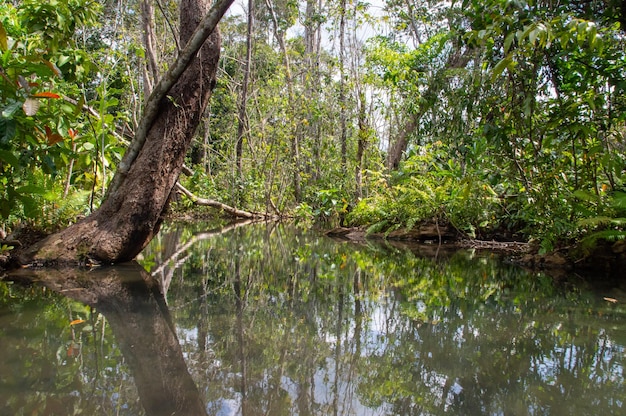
[
  {"x": 527, "y": 30},
  {"x": 67, "y": 109},
  {"x": 619, "y": 200},
  {"x": 79, "y": 105},
  {"x": 508, "y": 41},
  {"x": 5, "y": 207},
  {"x": 7, "y": 130},
  {"x": 31, "y": 189},
  {"x": 31, "y": 208},
  {"x": 10, "y": 109},
  {"x": 585, "y": 195},
  {"x": 62, "y": 60},
  {"x": 4, "y": 44},
  {"x": 500, "y": 67},
  {"x": 9, "y": 157},
  {"x": 532, "y": 37}
]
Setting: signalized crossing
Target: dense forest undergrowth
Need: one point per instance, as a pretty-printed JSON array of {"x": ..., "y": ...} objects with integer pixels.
[{"x": 497, "y": 120}]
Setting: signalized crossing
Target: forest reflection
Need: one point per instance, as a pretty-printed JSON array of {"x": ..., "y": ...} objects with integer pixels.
[
  {"x": 297, "y": 324},
  {"x": 266, "y": 319}
]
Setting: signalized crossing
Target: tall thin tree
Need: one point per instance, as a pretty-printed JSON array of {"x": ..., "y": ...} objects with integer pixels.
[{"x": 242, "y": 125}]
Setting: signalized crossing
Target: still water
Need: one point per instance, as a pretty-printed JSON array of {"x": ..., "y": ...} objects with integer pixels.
[{"x": 268, "y": 320}]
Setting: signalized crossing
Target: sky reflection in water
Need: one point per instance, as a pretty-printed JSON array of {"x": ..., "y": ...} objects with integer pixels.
[{"x": 270, "y": 320}]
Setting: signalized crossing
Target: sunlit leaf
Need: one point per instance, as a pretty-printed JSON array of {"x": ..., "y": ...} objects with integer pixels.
[
  {"x": 4, "y": 44},
  {"x": 501, "y": 66},
  {"x": 508, "y": 41},
  {"x": 31, "y": 189},
  {"x": 79, "y": 106}
]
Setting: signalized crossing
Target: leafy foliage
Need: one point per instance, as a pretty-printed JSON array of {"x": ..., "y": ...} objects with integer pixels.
[
  {"x": 505, "y": 112},
  {"x": 428, "y": 187},
  {"x": 48, "y": 145}
]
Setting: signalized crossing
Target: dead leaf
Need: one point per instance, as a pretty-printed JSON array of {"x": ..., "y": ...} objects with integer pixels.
[
  {"x": 30, "y": 106},
  {"x": 53, "y": 138},
  {"x": 55, "y": 69}
]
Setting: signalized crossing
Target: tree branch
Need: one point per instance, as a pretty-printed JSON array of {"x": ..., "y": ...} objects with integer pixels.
[{"x": 216, "y": 204}]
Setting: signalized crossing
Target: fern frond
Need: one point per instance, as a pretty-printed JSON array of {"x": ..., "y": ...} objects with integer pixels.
[
  {"x": 619, "y": 200},
  {"x": 589, "y": 242},
  {"x": 379, "y": 226},
  {"x": 596, "y": 221}
]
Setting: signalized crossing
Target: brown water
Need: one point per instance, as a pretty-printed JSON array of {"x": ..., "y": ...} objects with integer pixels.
[{"x": 270, "y": 320}]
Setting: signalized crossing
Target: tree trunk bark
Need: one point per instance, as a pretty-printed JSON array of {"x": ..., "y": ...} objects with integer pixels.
[
  {"x": 131, "y": 215},
  {"x": 152, "y": 71},
  {"x": 242, "y": 125},
  {"x": 363, "y": 136},
  {"x": 399, "y": 146},
  {"x": 342, "y": 89}
]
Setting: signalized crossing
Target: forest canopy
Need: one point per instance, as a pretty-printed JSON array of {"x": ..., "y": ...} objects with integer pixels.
[{"x": 494, "y": 117}]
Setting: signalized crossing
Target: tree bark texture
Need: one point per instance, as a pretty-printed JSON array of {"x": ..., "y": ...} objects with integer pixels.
[
  {"x": 343, "y": 116},
  {"x": 237, "y": 213},
  {"x": 131, "y": 215},
  {"x": 361, "y": 145}
]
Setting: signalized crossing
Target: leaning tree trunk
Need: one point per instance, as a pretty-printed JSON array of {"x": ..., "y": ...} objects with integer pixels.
[{"x": 132, "y": 212}]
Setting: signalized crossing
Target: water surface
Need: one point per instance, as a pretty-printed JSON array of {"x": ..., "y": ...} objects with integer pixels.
[{"x": 266, "y": 319}]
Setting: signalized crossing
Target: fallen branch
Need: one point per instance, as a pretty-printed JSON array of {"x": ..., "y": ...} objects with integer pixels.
[
  {"x": 507, "y": 246},
  {"x": 216, "y": 204}
]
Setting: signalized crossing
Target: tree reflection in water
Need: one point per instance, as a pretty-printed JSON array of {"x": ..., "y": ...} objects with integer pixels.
[
  {"x": 135, "y": 310},
  {"x": 268, "y": 320},
  {"x": 303, "y": 325}
]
